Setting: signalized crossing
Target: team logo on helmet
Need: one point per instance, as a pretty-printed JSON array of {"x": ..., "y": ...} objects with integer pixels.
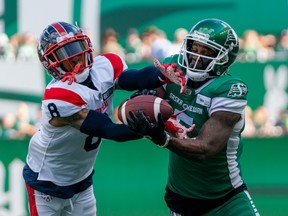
[{"x": 231, "y": 39}]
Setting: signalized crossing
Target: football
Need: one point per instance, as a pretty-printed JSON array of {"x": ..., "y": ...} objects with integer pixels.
[{"x": 149, "y": 104}]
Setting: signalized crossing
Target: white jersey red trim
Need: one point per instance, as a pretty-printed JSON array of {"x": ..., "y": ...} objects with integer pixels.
[{"x": 58, "y": 153}]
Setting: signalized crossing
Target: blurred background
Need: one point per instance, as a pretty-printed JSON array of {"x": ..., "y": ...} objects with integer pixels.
[{"x": 130, "y": 177}]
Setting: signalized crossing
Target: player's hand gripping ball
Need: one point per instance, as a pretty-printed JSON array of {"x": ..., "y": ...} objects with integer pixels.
[{"x": 149, "y": 104}]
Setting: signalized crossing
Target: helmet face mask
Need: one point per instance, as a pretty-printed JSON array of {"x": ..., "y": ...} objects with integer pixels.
[
  {"x": 195, "y": 59},
  {"x": 60, "y": 46},
  {"x": 208, "y": 50}
]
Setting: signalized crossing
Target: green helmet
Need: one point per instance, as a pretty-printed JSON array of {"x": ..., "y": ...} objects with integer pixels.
[{"x": 219, "y": 38}]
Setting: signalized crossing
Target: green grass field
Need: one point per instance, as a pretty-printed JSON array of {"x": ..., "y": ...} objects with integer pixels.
[{"x": 130, "y": 177}]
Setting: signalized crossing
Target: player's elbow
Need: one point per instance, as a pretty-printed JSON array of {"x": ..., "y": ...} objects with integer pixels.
[
  {"x": 205, "y": 152},
  {"x": 201, "y": 157}
]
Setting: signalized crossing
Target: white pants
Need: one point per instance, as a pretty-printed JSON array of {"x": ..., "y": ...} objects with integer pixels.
[{"x": 83, "y": 203}]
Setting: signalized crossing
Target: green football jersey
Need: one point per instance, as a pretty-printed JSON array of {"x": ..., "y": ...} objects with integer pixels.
[{"x": 221, "y": 173}]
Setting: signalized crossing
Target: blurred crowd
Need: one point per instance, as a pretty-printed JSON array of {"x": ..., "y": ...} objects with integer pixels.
[
  {"x": 138, "y": 47},
  {"x": 20, "y": 47},
  {"x": 19, "y": 125},
  {"x": 152, "y": 43},
  {"x": 258, "y": 123}
]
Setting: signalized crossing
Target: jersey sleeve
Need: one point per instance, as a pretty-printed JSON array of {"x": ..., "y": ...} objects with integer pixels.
[
  {"x": 230, "y": 95},
  {"x": 117, "y": 62},
  {"x": 60, "y": 102}
]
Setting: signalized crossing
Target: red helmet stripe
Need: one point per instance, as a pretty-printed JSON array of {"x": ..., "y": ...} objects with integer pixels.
[{"x": 58, "y": 27}]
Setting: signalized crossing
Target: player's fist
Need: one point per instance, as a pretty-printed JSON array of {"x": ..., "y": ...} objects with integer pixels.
[{"x": 141, "y": 125}]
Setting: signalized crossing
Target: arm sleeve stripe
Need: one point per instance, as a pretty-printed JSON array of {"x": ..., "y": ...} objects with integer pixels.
[
  {"x": 63, "y": 95},
  {"x": 116, "y": 63}
]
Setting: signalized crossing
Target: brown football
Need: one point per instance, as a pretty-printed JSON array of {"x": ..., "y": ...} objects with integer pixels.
[{"x": 149, "y": 104}]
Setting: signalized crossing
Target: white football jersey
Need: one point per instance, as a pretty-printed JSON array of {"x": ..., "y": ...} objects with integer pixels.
[{"x": 64, "y": 155}]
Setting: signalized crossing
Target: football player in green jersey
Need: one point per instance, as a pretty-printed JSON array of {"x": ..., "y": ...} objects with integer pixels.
[{"x": 204, "y": 135}]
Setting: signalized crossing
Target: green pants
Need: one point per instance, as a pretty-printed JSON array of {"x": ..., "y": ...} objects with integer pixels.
[{"x": 239, "y": 205}]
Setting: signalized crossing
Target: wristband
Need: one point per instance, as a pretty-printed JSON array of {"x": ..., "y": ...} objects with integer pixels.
[{"x": 166, "y": 142}]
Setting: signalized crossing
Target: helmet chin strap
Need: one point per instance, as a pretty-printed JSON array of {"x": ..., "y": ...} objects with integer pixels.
[
  {"x": 71, "y": 76},
  {"x": 81, "y": 77}
]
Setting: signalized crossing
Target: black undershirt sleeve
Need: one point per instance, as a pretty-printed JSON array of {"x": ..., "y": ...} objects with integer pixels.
[
  {"x": 146, "y": 78},
  {"x": 100, "y": 125}
]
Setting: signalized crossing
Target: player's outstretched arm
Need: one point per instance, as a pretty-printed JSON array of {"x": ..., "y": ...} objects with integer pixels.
[
  {"x": 96, "y": 124},
  {"x": 151, "y": 77},
  {"x": 212, "y": 137},
  {"x": 145, "y": 78}
]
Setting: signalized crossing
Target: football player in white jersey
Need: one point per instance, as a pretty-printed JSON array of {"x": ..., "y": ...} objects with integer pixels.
[
  {"x": 205, "y": 145},
  {"x": 76, "y": 107}
]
